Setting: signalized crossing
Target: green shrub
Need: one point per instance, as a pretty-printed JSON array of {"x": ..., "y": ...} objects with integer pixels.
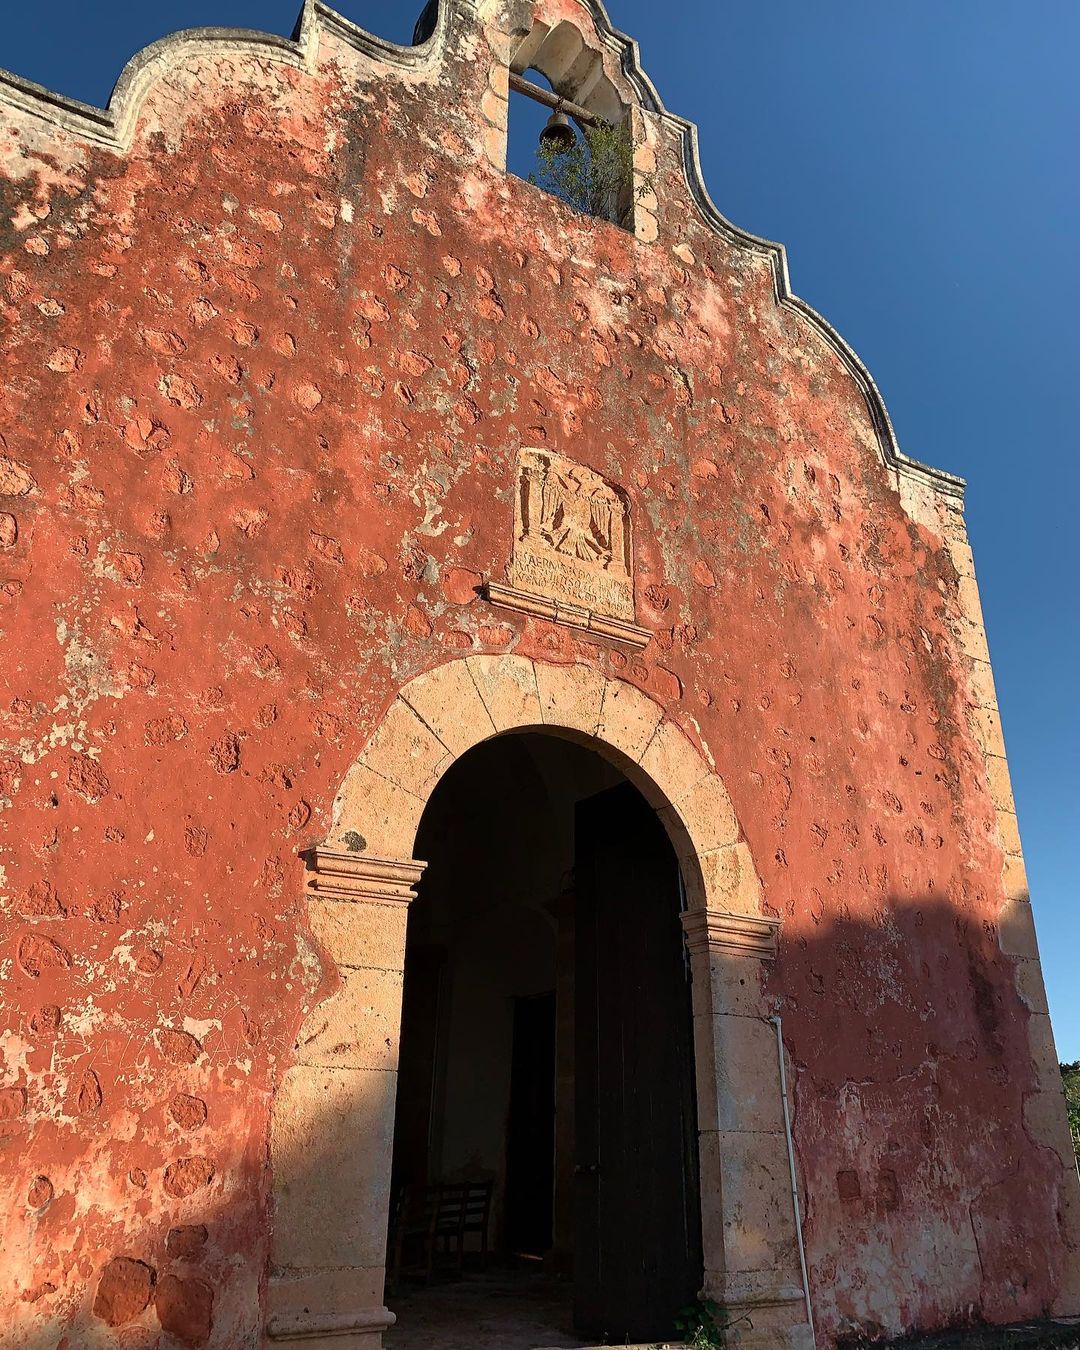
[
  {"x": 1070, "y": 1080},
  {"x": 703, "y": 1324},
  {"x": 595, "y": 175}
]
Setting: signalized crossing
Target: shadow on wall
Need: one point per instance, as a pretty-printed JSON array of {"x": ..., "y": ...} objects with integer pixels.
[
  {"x": 918, "y": 1076},
  {"x": 926, "y": 1201}
]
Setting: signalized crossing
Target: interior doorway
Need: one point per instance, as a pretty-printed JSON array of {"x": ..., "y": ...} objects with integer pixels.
[{"x": 545, "y": 1149}]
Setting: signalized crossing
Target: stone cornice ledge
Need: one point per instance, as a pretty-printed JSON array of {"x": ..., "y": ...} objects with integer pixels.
[
  {"x": 559, "y": 611},
  {"x": 746, "y": 1292},
  {"x": 310, "y": 1326},
  {"x": 335, "y": 875},
  {"x": 715, "y": 930}
]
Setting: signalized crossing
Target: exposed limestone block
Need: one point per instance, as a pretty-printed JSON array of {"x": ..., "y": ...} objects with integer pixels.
[
  {"x": 748, "y": 1171},
  {"x": 1016, "y": 930},
  {"x": 985, "y": 726},
  {"x": 747, "y": 1075},
  {"x": 1030, "y": 986},
  {"x": 628, "y": 719},
  {"x": 570, "y": 696},
  {"x": 730, "y": 880},
  {"x": 320, "y": 1117},
  {"x": 406, "y": 751},
  {"x": 670, "y": 760},
  {"x": 358, "y": 1026},
  {"x": 1014, "y": 879},
  {"x": 997, "y": 773},
  {"x": 387, "y": 813},
  {"x": 361, "y": 935},
  {"x": 1009, "y": 833},
  {"x": 706, "y": 815},
  {"x": 450, "y": 703},
  {"x": 1047, "y": 1123},
  {"x": 507, "y": 685}
]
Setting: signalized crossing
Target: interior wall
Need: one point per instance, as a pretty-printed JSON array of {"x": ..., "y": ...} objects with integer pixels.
[{"x": 510, "y": 955}]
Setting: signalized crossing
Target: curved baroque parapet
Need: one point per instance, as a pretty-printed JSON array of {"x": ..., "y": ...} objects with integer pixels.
[{"x": 113, "y": 127}]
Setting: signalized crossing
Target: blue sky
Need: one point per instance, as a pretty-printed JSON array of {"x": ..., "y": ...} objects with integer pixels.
[{"x": 919, "y": 161}]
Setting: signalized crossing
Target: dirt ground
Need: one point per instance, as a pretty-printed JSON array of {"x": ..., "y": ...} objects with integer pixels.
[
  {"x": 498, "y": 1311},
  {"x": 504, "y": 1310},
  {"x": 1033, "y": 1336}
]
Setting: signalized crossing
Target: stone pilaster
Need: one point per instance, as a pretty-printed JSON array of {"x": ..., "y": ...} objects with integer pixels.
[
  {"x": 333, "y": 1122},
  {"x": 1045, "y": 1116},
  {"x": 748, "y": 1216}
]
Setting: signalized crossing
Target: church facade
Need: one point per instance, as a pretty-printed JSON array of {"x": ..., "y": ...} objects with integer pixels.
[{"x": 486, "y": 701}]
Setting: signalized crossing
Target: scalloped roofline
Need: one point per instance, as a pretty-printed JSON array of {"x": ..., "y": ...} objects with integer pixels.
[{"x": 113, "y": 127}]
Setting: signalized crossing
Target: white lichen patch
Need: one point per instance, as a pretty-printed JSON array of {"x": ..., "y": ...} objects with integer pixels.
[
  {"x": 306, "y": 966},
  {"x": 200, "y": 1028}
]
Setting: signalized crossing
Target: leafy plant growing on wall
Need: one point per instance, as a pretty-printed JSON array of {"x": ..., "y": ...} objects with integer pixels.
[
  {"x": 1070, "y": 1079},
  {"x": 593, "y": 174},
  {"x": 703, "y": 1325}
]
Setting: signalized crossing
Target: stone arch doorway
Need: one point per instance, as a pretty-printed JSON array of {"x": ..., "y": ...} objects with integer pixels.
[
  {"x": 333, "y": 1117},
  {"x": 546, "y": 1068}
]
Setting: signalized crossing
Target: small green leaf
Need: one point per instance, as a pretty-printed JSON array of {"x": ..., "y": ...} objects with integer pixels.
[{"x": 595, "y": 175}]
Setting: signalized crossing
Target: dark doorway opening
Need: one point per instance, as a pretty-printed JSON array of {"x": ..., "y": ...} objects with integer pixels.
[
  {"x": 530, "y": 1129},
  {"x": 546, "y": 1061}
]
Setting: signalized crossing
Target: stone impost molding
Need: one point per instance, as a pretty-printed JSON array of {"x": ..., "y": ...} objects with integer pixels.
[
  {"x": 335, "y": 875},
  {"x": 715, "y": 930}
]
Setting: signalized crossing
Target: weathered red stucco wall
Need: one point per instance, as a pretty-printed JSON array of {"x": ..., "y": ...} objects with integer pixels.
[{"x": 265, "y": 374}]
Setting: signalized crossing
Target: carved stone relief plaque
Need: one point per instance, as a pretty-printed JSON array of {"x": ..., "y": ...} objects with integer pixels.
[{"x": 572, "y": 549}]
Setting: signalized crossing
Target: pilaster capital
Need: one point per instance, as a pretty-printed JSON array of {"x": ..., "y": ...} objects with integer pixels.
[
  {"x": 716, "y": 930},
  {"x": 335, "y": 875}
]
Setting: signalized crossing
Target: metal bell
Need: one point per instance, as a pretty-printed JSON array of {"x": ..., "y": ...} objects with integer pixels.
[{"x": 558, "y": 135}]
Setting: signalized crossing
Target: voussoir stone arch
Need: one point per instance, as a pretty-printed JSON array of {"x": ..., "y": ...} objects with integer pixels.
[
  {"x": 441, "y": 714},
  {"x": 335, "y": 1102}
]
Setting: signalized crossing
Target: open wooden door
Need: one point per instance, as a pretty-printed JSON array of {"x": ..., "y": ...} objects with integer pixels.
[{"x": 637, "y": 1258}]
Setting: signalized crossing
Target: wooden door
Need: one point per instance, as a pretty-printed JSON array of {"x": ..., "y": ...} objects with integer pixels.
[{"x": 637, "y": 1248}]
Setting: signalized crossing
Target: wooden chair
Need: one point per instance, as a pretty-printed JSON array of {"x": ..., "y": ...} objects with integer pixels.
[
  {"x": 413, "y": 1219},
  {"x": 464, "y": 1207},
  {"x": 423, "y": 1217}
]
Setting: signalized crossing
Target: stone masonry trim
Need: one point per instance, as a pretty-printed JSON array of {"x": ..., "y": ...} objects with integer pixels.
[{"x": 335, "y": 875}]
